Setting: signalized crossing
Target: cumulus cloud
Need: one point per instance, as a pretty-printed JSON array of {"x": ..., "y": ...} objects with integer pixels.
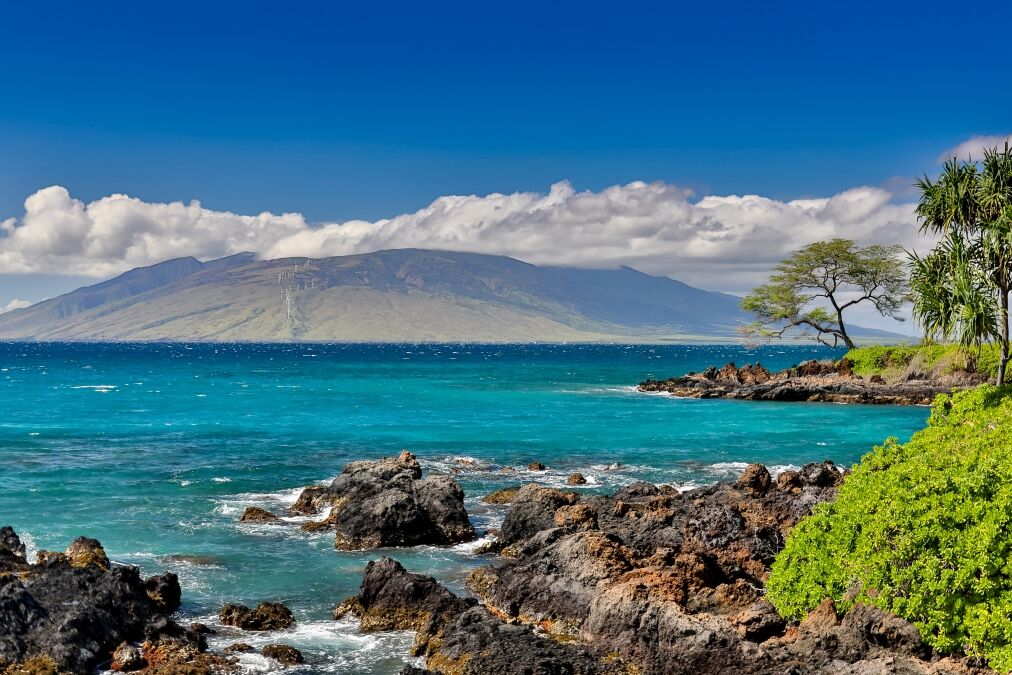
[
  {"x": 974, "y": 147},
  {"x": 720, "y": 242},
  {"x": 15, "y": 304}
]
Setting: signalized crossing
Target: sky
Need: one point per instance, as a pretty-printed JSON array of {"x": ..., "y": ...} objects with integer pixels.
[{"x": 702, "y": 141}]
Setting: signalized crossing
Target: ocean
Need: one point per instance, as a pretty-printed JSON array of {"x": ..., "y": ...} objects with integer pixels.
[{"x": 156, "y": 449}]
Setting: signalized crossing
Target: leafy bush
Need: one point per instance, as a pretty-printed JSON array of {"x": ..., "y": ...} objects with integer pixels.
[{"x": 922, "y": 529}]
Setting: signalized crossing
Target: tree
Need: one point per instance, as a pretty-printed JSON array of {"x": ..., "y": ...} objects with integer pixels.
[
  {"x": 815, "y": 286},
  {"x": 961, "y": 289}
]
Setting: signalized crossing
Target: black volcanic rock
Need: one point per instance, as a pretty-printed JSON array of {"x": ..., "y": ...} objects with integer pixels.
[
  {"x": 388, "y": 503},
  {"x": 454, "y": 634},
  {"x": 814, "y": 381},
  {"x": 648, "y": 581},
  {"x": 72, "y": 610}
]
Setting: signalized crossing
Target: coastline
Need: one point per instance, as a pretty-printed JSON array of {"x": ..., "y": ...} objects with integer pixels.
[{"x": 809, "y": 381}]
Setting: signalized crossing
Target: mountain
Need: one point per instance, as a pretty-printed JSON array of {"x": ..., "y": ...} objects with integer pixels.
[{"x": 403, "y": 295}]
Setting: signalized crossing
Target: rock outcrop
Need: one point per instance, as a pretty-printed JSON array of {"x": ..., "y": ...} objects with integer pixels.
[
  {"x": 265, "y": 616},
  {"x": 456, "y": 635},
  {"x": 647, "y": 580},
  {"x": 286, "y": 655},
  {"x": 814, "y": 381},
  {"x": 255, "y": 514},
  {"x": 73, "y": 611},
  {"x": 388, "y": 503}
]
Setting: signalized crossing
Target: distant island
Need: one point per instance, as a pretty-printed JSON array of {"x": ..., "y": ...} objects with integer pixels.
[{"x": 405, "y": 295}]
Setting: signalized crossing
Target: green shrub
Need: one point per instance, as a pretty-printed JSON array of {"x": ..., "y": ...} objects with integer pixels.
[{"x": 922, "y": 529}]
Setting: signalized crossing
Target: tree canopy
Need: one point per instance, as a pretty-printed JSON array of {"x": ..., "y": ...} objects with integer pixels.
[
  {"x": 813, "y": 288},
  {"x": 961, "y": 288}
]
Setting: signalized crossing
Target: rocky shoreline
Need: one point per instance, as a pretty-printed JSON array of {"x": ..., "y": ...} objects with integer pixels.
[
  {"x": 646, "y": 581},
  {"x": 812, "y": 381}
]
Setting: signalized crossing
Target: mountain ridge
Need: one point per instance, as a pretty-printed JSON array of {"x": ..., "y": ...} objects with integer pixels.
[{"x": 395, "y": 295}]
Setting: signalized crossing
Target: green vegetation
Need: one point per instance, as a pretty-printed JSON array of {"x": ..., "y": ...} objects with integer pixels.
[
  {"x": 935, "y": 360},
  {"x": 923, "y": 529},
  {"x": 961, "y": 289},
  {"x": 814, "y": 287}
]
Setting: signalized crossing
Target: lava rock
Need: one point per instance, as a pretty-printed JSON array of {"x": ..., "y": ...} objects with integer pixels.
[
  {"x": 283, "y": 654},
  {"x": 127, "y": 658},
  {"x": 265, "y": 616},
  {"x": 255, "y": 514},
  {"x": 239, "y": 648},
  {"x": 84, "y": 552},
  {"x": 503, "y": 496},
  {"x": 73, "y": 611},
  {"x": 391, "y": 598},
  {"x": 387, "y": 503}
]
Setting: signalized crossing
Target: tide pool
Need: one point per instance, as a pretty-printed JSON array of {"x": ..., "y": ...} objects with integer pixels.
[{"x": 155, "y": 450}]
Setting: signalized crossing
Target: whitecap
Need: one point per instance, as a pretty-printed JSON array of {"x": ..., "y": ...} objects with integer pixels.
[
  {"x": 222, "y": 480},
  {"x": 470, "y": 547}
]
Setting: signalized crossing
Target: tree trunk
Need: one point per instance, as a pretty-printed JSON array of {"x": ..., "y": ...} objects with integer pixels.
[
  {"x": 843, "y": 331},
  {"x": 1003, "y": 343}
]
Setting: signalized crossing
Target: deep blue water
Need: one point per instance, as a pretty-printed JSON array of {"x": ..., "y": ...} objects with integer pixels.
[{"x": 156, "y": 449}]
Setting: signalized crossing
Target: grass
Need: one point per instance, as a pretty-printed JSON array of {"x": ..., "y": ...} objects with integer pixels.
[{"x": 895, "y": 362}]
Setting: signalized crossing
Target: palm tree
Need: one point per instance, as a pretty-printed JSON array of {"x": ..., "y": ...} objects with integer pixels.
[{"x": 961, "y": 289}]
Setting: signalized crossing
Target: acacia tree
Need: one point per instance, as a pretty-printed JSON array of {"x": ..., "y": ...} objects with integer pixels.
[
  {"x": 815, "y": 286},
  {"x": 961, "y": 289}
]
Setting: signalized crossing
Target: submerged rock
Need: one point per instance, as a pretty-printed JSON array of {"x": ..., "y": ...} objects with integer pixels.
[
  {"x": 388, "y": 503},
  {"x": 74, "y": 611},
  {"x": 265, "y": 616}
]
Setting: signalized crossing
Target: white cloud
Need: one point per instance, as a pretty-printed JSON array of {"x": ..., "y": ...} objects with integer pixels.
[
  {"x": 973, "y": 147},
  {"x": 15, "y": 304},
  {"x": 721, "y": 242}
]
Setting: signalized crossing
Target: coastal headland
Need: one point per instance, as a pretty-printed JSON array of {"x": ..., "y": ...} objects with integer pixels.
[{"x": 813, "y": 381}]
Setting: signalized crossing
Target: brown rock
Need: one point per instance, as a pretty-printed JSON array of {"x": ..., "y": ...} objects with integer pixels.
[
  {"x": 576, "y": 479},
  {"x": 255, "y": 514},
  {"x": 83, "y": 552},
  {"x": 503, "y": 496},
  {"x": 535, "y": 466},
  {"x": 239, "y": 648},
  {"x": 755, "y": 480},
  {"x": 127, "y": 658},
  {"x": 283, "y": 654},
  {"x": 788, "y": 480},
  {"x": 265, "y": 616}
]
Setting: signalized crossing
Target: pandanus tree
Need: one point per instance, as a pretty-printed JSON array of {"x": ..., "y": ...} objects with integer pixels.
[{"x": 961, "y": 288}]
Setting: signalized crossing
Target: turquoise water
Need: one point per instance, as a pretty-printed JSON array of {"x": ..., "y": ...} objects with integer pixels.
[{"x": 156, "y": 449}]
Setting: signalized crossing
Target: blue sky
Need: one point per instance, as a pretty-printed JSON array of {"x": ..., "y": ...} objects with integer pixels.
[{"x": 367, "y": 110}]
